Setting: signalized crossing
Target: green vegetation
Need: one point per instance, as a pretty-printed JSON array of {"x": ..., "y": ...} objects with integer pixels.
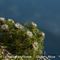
[{"x": 21, "y": 39}]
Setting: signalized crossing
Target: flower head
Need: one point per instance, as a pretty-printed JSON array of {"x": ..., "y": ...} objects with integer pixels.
[
  {"x": 4, "y": 27},
  {"x": 2, "y": 19},
  {"x": 35, "y": 45},
  {"x": 43, "y": 34},
  {"x": 19, "y": 26},
  {"x": 11, "y": 20},
  {"x": 15, "y": 56},
  {"x": 29, "y": 33},
  {"x": 34, "y": 24}
]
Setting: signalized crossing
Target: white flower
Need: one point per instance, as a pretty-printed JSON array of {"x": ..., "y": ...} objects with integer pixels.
[
  {"x": 15, "y": 56},
  {"x": 34, "y": 24},
  {"x": 29, "y": 33},
  {"x": 4, "y": 27},
  {"x": 17, "y": 25},
  {"x": 2, "y": 19},
  {"x": 35, "y": 45},
  {"x": 11, "y": 20},
  {"x": 43, "y": 34},
  {"x": 2, "y": 52}
]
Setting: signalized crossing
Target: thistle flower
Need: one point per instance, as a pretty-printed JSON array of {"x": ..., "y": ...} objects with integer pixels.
[
  {"x": 4, "y": 27},
  {"x": 35, "y": 45},
  {"x": 34, "y": 24},
  {"x": 11, "y": 20},
  {"x": 19, "y": 26},
  {"x": 29, "y": 33}
]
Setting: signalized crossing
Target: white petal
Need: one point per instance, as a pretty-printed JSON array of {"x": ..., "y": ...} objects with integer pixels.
[
  {"x": 2, "y": 19},
  {"x": 17, "y": 25},
  {"x": 21, "y": 27},
  {"x": 43, "y": 34},
  {"x": 4, "y": 27},
  {"x": 11, "y": 20},
  {"x": 15, "y": 57},
  {"x": 34, "y": 24},
  {"x": 29, "y": 33}
]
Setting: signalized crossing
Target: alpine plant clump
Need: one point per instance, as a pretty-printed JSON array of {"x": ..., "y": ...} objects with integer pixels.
[{"x": 21, "y": 39}]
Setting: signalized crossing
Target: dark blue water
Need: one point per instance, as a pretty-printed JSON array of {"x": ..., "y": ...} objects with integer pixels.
[{"x": 46, "y": 13}]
